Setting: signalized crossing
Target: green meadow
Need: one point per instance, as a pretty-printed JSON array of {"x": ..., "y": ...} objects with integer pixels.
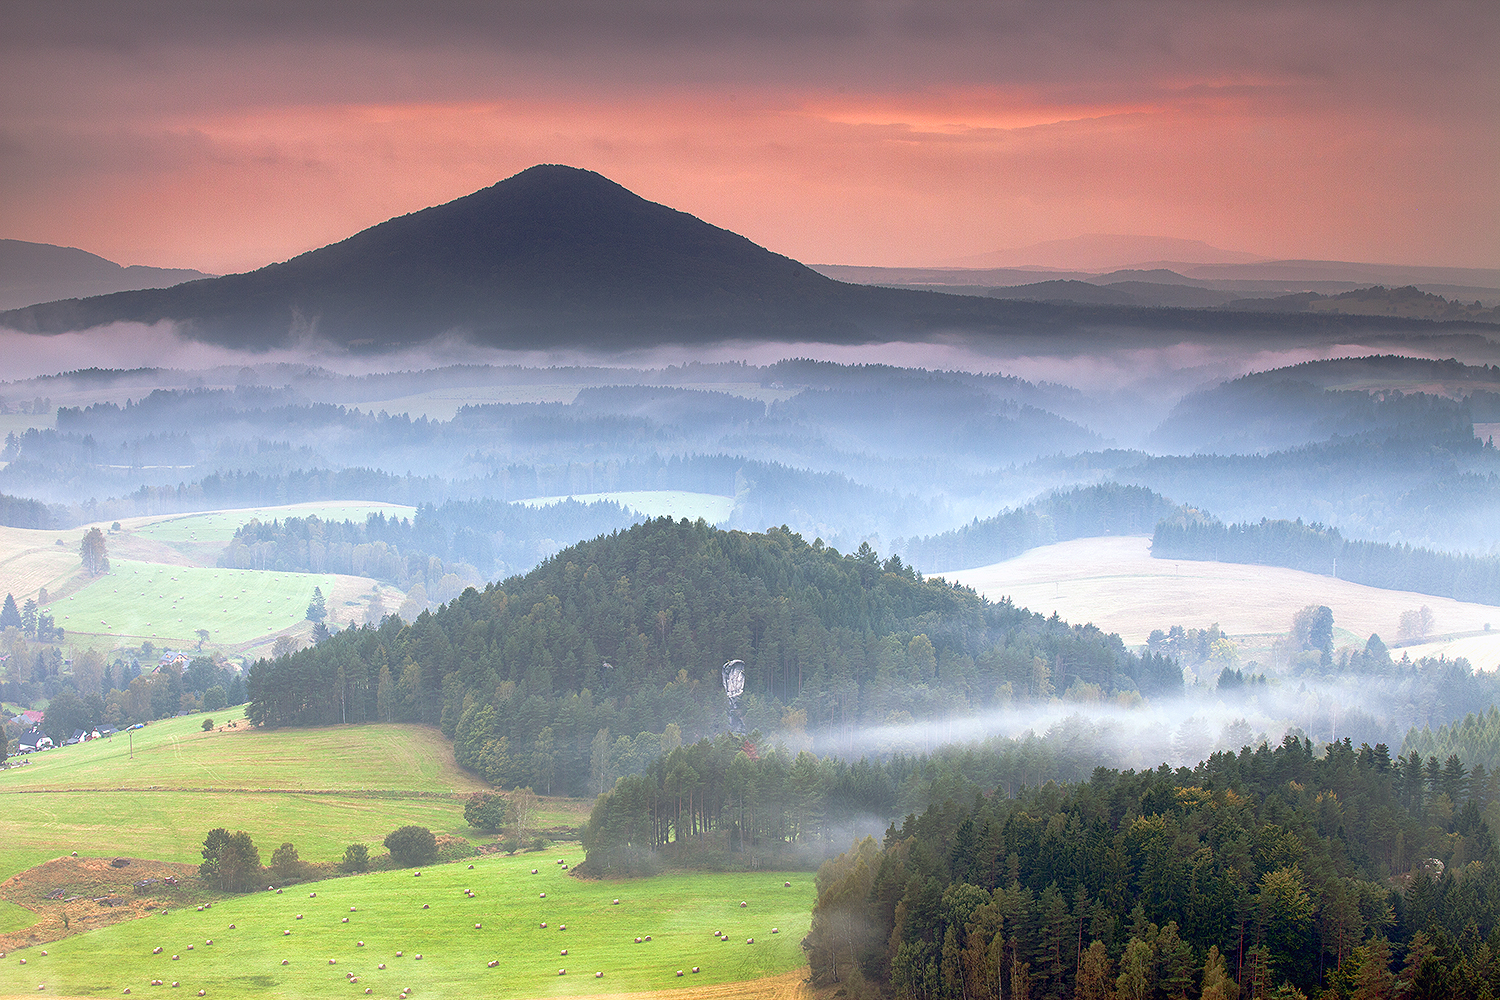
[
  {"x": 168, "y": 604},
  {"x": 456, "y": 936},
  {"x": 321, "y": 789}
]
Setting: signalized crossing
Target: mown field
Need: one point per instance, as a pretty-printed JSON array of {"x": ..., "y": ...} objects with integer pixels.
[
  {"x": 346, "y": 785},
  {"x": 168, "y": 604},
  {"x": 1115, "y": 584},
  {"x": 353, "y": 925},
  {"x": 321, "y": 789},
  {"x": 675, "y": 504}
]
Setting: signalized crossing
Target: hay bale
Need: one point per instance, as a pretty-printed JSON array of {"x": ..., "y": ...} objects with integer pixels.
[
  {"x": 787, "y": 885},
  {"x": 598, "y": 975},
  {"x": 285, "y": 933},
  {"x": 563, "y": 952},
  {"x": 359, "y": 944},
  {"x": 749, "y": 940},
  {"x": 478, "y": 926},
  {"x": 493, "y": 963},
  {"x": 615, "y": 903},
  {"x": 285, "y": 962},
  {"x": 775, "y": 930},
  {"x": 344, "y": 920},
  {"x": 695, "y": 968},
  {"x": 679, "y": 972},
  {"x": 743, "y": 904}
]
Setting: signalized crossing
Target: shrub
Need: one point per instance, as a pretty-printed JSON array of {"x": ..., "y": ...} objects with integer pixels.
[
  {"x": 411, "y": 845},
  {"x": 454, "y": 848},
  {"x": 208, "y": 724},
  {"x": 485, "y": 811},
  {"x": 215, "y": 698},
  {"x": 356, "y": 858}
]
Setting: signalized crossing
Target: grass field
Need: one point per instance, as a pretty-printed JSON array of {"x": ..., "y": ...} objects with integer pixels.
[
  {"x": 169, "y": 603},
  {"x": 1114, "y": 583},
  {"x": 679, "y": 912},
  {"x": 675, "y": 504},
  {"x": 321, "y": 789}
]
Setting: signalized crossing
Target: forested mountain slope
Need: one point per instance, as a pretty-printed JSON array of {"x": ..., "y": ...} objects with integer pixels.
[
  {"x": 625, "y": 634},
  {"x": 1258, "y": 874}
]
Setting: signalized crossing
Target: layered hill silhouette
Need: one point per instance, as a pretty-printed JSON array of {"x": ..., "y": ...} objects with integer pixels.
[
  {"x": 39, "y": 272},
  {"x": 557, "y": 256}
]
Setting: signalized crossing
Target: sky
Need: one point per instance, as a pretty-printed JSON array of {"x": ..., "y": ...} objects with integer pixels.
[{"x": 226, "y": 136}]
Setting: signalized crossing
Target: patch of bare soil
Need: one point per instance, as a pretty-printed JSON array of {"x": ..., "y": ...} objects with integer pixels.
[{"x": 73, "y": 895}]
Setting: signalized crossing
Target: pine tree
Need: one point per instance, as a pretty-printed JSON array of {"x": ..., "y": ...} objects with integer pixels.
[
  {"x": 10, "y": 615},
  {"x": 316, "y": 611}
]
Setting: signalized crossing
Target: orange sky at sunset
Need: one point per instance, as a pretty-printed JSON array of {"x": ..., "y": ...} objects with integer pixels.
[{"x": 895, "y": 134}]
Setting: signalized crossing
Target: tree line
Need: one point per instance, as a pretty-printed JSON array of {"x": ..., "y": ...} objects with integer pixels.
[
  {"x": 1315, "y": 548},
  {"x": 1082, "y": 512},
  {"x": 1266, "y": 872},
  {"x": 626, "y": 633}
]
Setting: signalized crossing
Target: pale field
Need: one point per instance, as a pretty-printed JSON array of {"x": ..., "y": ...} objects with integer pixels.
[
  {"x": 1115, "y": 584},
  {"x": 15, "y": 423},
  {"x": 31, "y": 559},
  {"x": 655, "y": 503}
]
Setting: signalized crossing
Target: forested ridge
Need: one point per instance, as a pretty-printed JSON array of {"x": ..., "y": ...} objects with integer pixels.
[
  {"x": 1059, "y": 516},
  {"x": 1315, "y": 548},
  {"x": 467, "y": 538},
  {"x": 625, "y": 635},
  {"x": 1267, "y": 872}
]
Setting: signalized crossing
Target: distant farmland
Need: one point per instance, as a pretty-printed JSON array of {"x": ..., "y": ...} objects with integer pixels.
[{"x": 1115, "y": 584}]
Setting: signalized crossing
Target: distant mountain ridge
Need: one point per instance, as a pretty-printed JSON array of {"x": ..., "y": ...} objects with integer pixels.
[
  {"x": 558, "y": 256},
  {"x": 31, "y": 273},
  {"x": 1107, "y": 252}
]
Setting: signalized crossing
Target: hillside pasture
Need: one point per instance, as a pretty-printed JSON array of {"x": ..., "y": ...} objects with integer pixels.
[
  {"x": 178, "y": 754},
  {"x": 675, "y": 504},
  {"x": 32, "y": 559},
  {"x": 384, "y": 910},
  {"x": 167, "y": 604},
  {"x": 1115, "y": 584},
  {"x": 322, "y": 789}
]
